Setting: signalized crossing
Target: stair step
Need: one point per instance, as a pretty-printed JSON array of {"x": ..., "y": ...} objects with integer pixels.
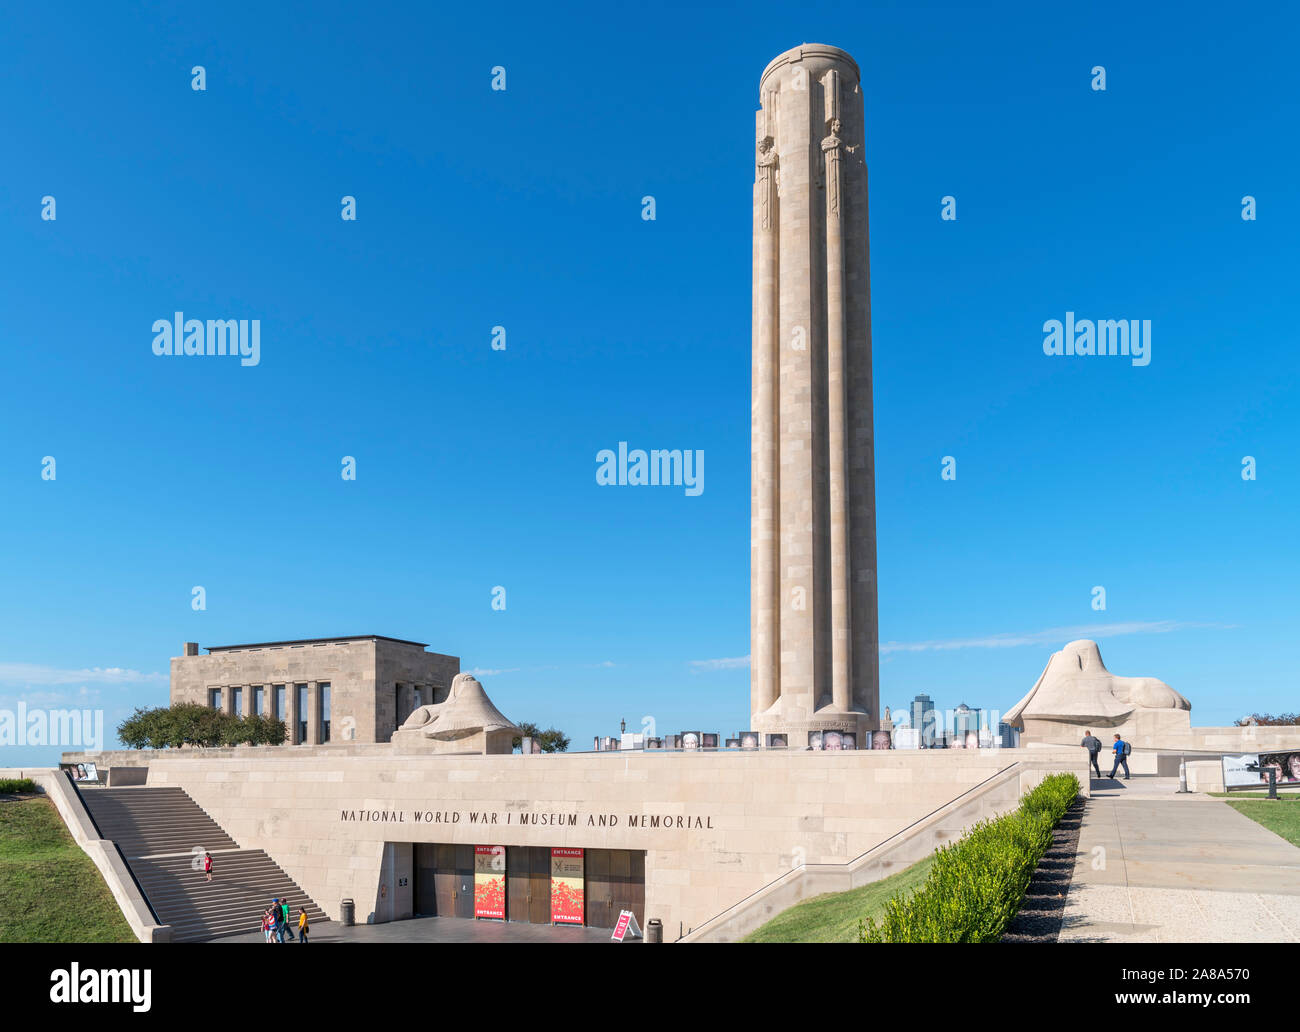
[{"x": 145, "y": 822}]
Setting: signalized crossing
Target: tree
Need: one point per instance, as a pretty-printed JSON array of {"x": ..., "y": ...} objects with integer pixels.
[
  {"x": 189, "y": 723},
  {"x": 1269, "y": 720},
  {"x": 552, "y": 739}
]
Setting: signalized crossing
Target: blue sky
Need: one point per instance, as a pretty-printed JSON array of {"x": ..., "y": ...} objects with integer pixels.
[{"x": 522, "y": 208}]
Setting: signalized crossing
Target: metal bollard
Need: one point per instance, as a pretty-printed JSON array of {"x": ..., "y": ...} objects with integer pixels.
[
  {"x": 1272, "y": 782},
  {"x": 654, "y": 930}
]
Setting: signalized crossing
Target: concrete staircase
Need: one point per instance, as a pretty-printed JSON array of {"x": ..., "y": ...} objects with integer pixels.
[{"x": 158, "y": 831}]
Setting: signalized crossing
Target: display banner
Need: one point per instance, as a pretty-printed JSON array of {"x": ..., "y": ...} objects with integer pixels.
[
  {"x": 567, "y": 896},
  {"x": 1240, "y": 770},
  {"x": 1287, "y": 765},
  {"x": 81, "y": 771},
  {"x": 490, "y": 882}
]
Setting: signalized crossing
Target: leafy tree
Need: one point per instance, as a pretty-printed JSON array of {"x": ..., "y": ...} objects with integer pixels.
[
  {"x": 552, "y": 739},
  {"x": 189, "y": 723}
]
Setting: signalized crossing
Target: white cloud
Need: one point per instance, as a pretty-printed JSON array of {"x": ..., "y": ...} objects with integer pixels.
[
  {"x": 24, "y": 674},
  {"x": 1057, "y": 636},
  {"x": 734, "y": 663},
  {"x": 482, "y": 672}
]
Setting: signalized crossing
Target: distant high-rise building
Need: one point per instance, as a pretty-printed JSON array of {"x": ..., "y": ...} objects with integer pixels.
[
  {"x": 924, "y": 719},
  {"x": 965, "y": 719},
  {"x": 1008, "y": 736}
]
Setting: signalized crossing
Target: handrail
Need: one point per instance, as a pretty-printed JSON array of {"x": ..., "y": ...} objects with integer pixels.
[
  {"x": 125, "y": 862},
  {"x": 847, "y": 863}
]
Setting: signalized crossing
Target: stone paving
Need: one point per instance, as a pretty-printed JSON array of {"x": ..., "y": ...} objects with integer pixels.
[
  {"x": 1154, "y": 866},
  {"x": 442, "y": 929}
]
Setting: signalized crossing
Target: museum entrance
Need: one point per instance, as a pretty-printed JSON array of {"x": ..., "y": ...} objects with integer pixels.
[
  {"x": 615, "y": 881},
  {"x": 589, "y": 887},
  {"x": 444, "y": 880}
]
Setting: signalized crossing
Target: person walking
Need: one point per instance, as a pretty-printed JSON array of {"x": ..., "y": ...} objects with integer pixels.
[
  {"x": 1122, "y": 750},
  {"x": 207, "y": 865},
  {"x": 304, "y": 926},
  {"x": 266, "y": 924},
  {"x": 1093, "y": 745},
  {"x": 277, "y": 915},
  {"x": 288, "y": 928}
]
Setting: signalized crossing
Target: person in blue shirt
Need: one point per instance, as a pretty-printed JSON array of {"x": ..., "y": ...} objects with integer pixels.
[{"x": 1121, "y": 748}]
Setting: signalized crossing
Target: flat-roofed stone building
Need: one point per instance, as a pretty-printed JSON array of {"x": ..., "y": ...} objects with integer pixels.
[{"x": 351, "y": 689}]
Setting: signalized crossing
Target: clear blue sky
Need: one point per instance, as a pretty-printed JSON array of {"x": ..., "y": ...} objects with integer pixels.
[{"x": 522, "y": 208}]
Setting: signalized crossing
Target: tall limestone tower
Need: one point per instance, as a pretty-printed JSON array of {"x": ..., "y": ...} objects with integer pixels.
[{"x": 813, "y": 629}]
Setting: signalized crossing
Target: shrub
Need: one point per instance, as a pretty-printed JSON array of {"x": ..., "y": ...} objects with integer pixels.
[
  {"x": 191, "y": 724},
  {"x": 978, "y": 883},
  {"x": 16, "y": 786}
]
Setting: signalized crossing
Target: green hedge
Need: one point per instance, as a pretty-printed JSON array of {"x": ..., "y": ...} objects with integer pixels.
[
  {"x": 192, "y": 724},
  {"x": 978, "y": 883},
  {"x": 16, "y": 786}
]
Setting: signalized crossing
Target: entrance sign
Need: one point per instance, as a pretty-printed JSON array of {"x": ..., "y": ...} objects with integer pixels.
[
  {"x": 626, "y": 926},
  {"x": 567, "y": 898},
  {"x": 490, "y": 882}
]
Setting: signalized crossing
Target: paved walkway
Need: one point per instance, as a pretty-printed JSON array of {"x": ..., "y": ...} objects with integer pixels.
[
  {"x": 1158, "y": 867},
  {"x": 441, "y": 929}
]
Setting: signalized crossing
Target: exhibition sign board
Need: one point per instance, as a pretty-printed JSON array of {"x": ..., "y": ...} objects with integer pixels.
[
  {"x": 490, "y": 882},
  {"x": 567, "y": 899},
  {"x": 626, "y": 926}
]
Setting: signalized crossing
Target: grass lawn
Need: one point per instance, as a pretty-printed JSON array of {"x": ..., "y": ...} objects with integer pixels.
[
  {"x": 1281, "y": 816},
  {"x": 835, "y": 916},
  {"x": 50, "y": 891}
]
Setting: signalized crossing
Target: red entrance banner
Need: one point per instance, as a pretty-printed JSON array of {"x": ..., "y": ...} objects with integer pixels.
[
  {"x": 567, "y": 896},
  {"x": 490, "y": 882}
]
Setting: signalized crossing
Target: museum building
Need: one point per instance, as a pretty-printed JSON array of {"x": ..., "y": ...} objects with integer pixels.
[{"x": 351, "y": 689}]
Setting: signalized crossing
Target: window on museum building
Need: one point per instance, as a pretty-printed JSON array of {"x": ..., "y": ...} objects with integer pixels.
[
  {"x": 300, "y": 690},
  {"x": 324, "y": 712},
  {"x": 277, "y": 691},
  {"x": 237, "y": 700},
  {"x": 214, "y": 698},
  {"x": 259, "y": 700}
]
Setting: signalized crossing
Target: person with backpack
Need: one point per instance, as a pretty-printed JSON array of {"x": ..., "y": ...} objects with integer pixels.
[
  {"x": 1122, "y": 749},
  {"x": 304, "y": 926},
  {"x": 1093, "y": 745},
  {"x": 284, "y": 923}
]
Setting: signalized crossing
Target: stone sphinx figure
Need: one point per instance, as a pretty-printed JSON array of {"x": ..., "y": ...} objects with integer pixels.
[
  {"x": 465, "y": 721},
  {"x": 1076, "y": 693}
]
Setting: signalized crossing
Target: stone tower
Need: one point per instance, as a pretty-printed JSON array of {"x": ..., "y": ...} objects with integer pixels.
[{"x": 813, "y": 628}]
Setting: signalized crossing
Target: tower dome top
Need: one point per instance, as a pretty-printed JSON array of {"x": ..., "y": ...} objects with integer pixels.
[{"x": 821, "y": 55}]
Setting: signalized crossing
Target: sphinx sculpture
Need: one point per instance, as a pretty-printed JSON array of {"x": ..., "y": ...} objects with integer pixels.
[
  {"x": 465, "y": 721},
  {"x": 1076, "y": 693}
]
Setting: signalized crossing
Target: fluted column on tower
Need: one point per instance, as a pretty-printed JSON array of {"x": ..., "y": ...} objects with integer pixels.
[{"x": 814, "y": 650}]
